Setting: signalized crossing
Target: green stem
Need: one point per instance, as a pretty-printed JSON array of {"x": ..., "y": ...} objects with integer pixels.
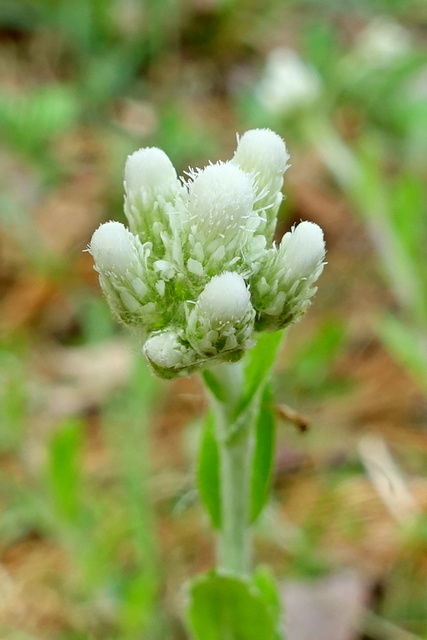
[
  {"x": 235, "y": 444},
  {"x": 234, "y": 540}
]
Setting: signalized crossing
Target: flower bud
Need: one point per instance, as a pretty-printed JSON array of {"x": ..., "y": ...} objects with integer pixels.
[
  {"x": 149, "y": 169},
  {"x": 304, "y": 249},
  {"x": 120, "y": 260},
  {"x": 263, "y": 154},
  {"x": 284, "y": 285},
  {"x": 225, "y": 298},
  {"x": 153, "y": 193},
  {"x": 221, "y": 198},
  {"x": 262, "y": 151},
  {"x": 113, "y": 248},
  {"x": 223, "y": 317},
  {"x": 168, "y": 355},
  {"x": 221, "y": 218}
]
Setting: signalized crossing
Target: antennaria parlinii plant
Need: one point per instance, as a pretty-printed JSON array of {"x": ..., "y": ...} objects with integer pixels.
[{"x": 202, "y": 286}]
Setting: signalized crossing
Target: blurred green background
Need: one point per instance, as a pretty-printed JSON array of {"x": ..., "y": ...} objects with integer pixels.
[{"x": 100, "y": 519}]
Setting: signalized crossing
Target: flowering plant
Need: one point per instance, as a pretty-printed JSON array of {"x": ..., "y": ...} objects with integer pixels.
[
  {"x": 197, "y": 273},
  {"x": 200, "y": 282}
]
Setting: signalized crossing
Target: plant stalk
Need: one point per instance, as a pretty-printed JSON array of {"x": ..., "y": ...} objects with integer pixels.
[{"x": 235, "y": 445}]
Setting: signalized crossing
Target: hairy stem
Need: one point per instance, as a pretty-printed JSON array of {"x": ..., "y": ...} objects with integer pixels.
[{"x": 235, "y": 443}]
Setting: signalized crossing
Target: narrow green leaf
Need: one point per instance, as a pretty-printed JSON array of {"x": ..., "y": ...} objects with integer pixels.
[
  {"x": 208, "y": 471},
  {"x": 64, "y": 469},
  {"x": 267, "y": 585},
  {"x": 225, "y": 607},
  {"x": 214, "y": 387},
  {"x": 265, "y": 429},
  {"x": 259, "y": 363}
]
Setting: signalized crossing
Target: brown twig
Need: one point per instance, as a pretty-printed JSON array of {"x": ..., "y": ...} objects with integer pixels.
[{"x": 286, "y": 414}]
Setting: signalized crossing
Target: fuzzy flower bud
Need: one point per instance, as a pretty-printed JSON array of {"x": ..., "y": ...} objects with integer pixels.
[
  {"x": 148, "y": 169},
  {"x": 151, "y": 187},
  {"x": 263, "y": 154},
  {"x": 283, "y": 287},
  {"x": 221, "y": 199},
  {"x": 304, "y": 249},
  {"x": 223, "y": 317},
  {"x": 168, "y": 355},
  {"x": 222, "y": 218},
  {"x": 120, "y": 260},
  {"x": 113, "y": 248}
]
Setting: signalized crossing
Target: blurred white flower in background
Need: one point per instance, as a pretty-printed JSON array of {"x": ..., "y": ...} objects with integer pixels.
[
  {"x": 382, "y": 43},
  {"x": 287, "y": 82}
]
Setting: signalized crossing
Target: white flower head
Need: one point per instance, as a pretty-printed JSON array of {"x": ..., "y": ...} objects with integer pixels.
[
  {"x": 149, "y": 169},
  {"x": 223, "y": 316},
  {"x": 304, "y": 249},
  {"x": 221, "y": 197},
  {"x": 284, "y": 286},
  {"x": 152, "y": 191},
  {"x": 121, "y": 260},
  {"x": 263, "y": 154},
  {"x": 198, "y": 272},
  {"x": 222, "y": 218},
  {"x": 168, "y": 355},
  {"x": 113, "y": 248},
  {"x": 262, "y": 151},
  {"x": 225, "y": 298}
]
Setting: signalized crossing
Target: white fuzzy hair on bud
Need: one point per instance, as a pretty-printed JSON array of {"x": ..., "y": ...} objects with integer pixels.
[
  {"x": 225, "y": 298},
  {"x": 112, "y": 247},
  {"x": 304, "y": 249},
  {"x": 149, "y": 169},
  {"x": 164, "y": 350},
  {"x": 221, "y": 198},
  {"x": 263, "y": 151}
]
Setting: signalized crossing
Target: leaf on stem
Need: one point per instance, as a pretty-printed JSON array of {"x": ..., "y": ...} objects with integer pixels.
[
  {"x": 262, "y": 464},
  {"x": 260, "y": 361},
  {"x": 208, "y": 471},
  {"x": 268, "y": 587},
  {"x": 228, "y": 607},
  {"x": 214, "y": 386}
]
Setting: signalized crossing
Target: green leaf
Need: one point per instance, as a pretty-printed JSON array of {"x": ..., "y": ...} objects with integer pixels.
[
  {"x": 259, "y": 363},
  {"x": 64, "y": 469},
  {"x": 265, "y": 429},
  {"x": 267, "y": 585},
  {"x": 214, "y": 386},
  {"x": 225, "y": 607},
  {"x": 208, "y": 471}
]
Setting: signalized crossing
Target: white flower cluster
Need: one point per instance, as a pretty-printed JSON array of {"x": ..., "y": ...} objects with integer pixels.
[{"x": 197, "y": 272}]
